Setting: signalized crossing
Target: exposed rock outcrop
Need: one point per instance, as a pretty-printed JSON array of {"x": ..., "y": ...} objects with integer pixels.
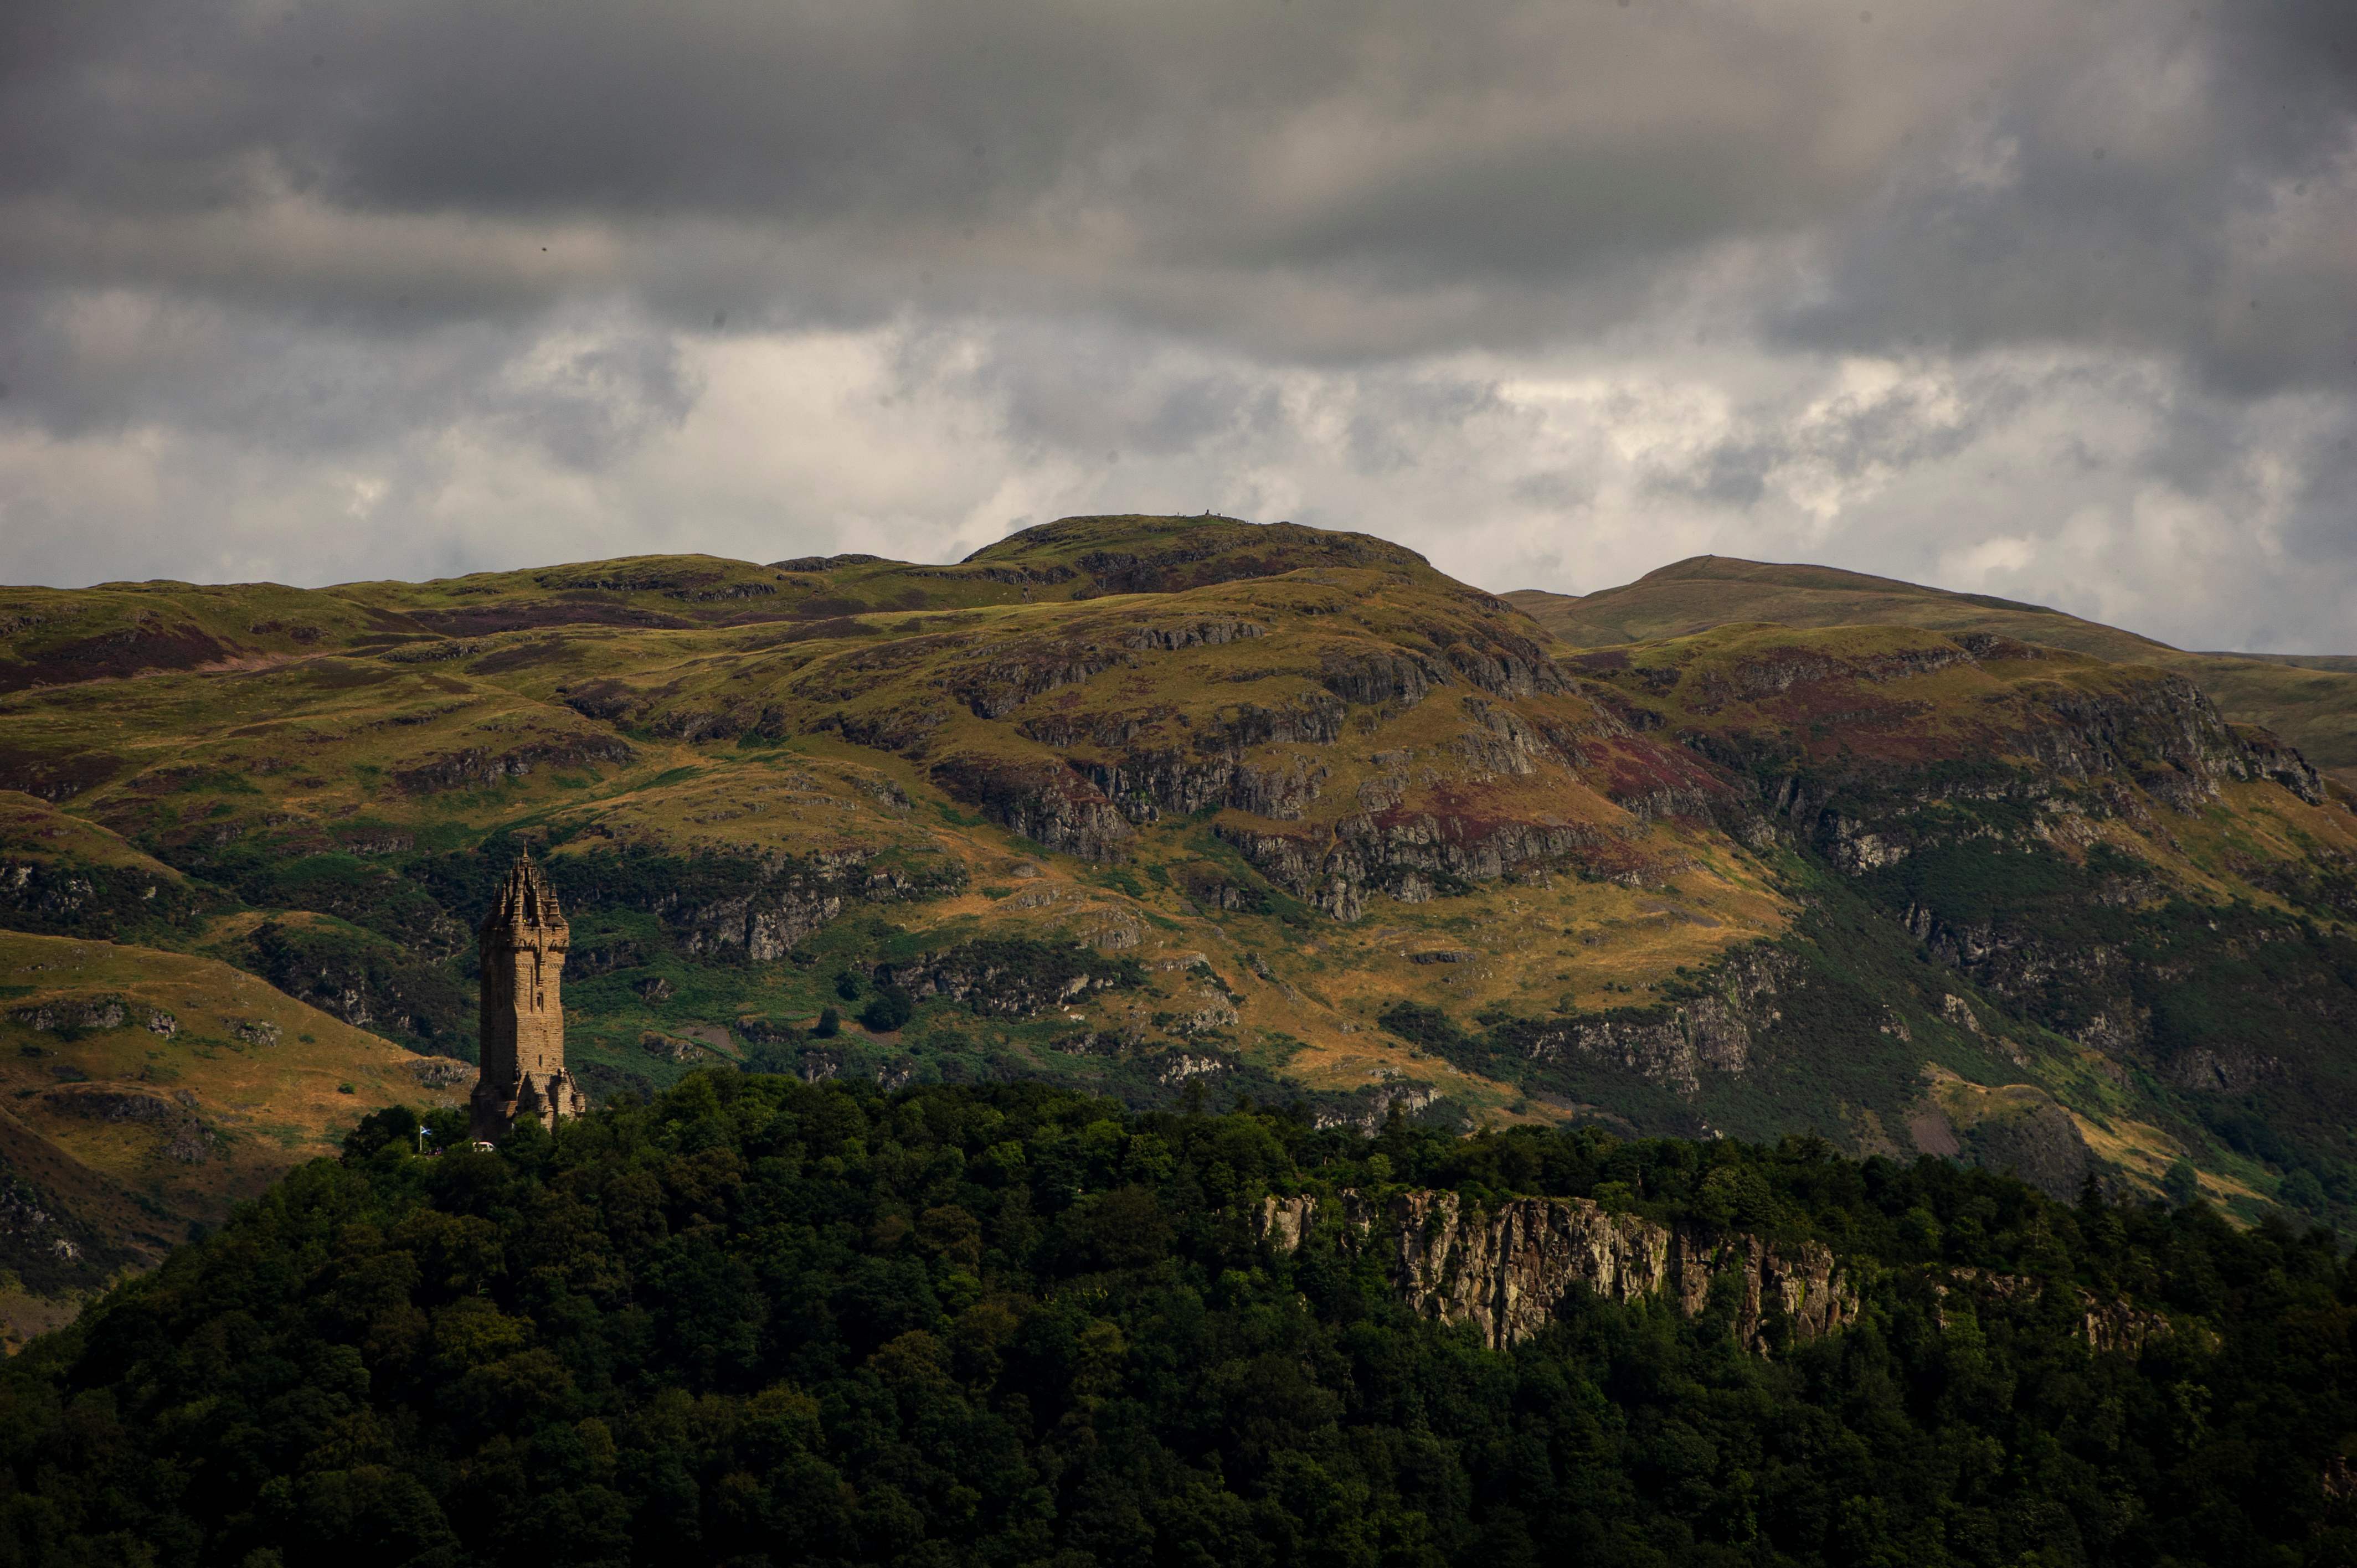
[
  {"x": 1506, "y": 664},
  {"x": 191, "y": 1142},
  {"x": 1368, "y": 1109},
  {"x": 1376, "y": 676},
  {"x": 2162, "y": 732},
  {"x": 1672, "y": 1045},
  {"x": 73, "y": 895},
  {"x": 1507, "y": 1272},
  {"x": 2265, "y": 755},
  {"x": 1009, "y": 978},
  {"x": 2077, "y": 752},
  {"x": 1145, "y": 785},
  {"x": 52, "y": 1250},
  {"x": 2014, "y": 965},
  {"x": 1044, "y": 800},
  {"x": 2104, "y": 1326},
  {"x": 2073, "y": 749},
  {"x": 440, "y": 1072},
  {"x": 994, "y": 680},
  {"x": 801, "y": 897},
  {"x": 1410, "y": 852},
  {"x": 73, "y": 1014},
  {"x": 761, "y": 904},
  {"x": 477, "y": 768},
  {"x": 1178, "y": 1067}
]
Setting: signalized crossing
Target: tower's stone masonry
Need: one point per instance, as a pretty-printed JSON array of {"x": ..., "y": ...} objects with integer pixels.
[{"x": 522, "y": 1032}]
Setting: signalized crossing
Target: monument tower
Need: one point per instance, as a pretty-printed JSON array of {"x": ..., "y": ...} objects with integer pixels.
[{"x": 523, "y": 1032}]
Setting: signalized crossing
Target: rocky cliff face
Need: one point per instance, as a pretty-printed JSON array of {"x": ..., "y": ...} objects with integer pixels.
[
  {"x": 1507, "y": 1272},
  {"x": 1044, "y": 800},
  {"x": 760, "y": 905},
  {"x": 2105, "y": 1325},
  {"x": 1081, "y": 733},
  {"x": 1672, "y": 1045},
  {"x": 1857, "y": 741},
  {"x": 1409, "y": 854},
  {"x": 1005, "y": 979},
  {"x": 2077, "y": 753},
  {"x": 2108, "y": 985},
  {"x": 795, "y": 898}
]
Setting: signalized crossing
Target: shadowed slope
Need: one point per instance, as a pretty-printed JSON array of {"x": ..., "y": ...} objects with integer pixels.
[{"x": 2309, "y": 700}]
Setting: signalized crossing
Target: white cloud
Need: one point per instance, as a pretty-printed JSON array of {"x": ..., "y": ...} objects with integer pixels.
[{"x": 2029, "y": 474}]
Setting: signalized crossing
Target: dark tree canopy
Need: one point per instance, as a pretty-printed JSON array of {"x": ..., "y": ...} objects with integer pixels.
[{"x": 762, "y": 1321}]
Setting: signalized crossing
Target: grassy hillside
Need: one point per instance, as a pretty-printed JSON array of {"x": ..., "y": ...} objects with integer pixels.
[
  {"x": 2310, "y": 701},
  {"x": 856, "y": 787},
  {"x": 1187, "y": 811},
  {"x": 144, "y": 1093},
  {"x": 1693, "y": 596}
]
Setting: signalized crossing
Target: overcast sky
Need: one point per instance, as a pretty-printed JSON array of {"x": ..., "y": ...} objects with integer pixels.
[{"x": 2050, "y": 298}]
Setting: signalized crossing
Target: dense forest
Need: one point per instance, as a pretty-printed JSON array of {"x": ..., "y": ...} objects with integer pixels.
[{"x": 758, "y": 1321}]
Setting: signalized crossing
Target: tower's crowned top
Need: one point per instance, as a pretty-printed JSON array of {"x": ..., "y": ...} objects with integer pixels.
[{"x": 523, "y": 1032}]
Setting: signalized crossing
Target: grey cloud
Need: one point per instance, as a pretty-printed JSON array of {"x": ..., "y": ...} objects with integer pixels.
[
  {"x": 1080, "y": 388},
  {"x": 1395, "y": 419},
  {"x": 1919, "y": 418},
  {"x": 1548, "y": 287},
  {"x": 1461, "y": 173},
  {"x": 1732, "y": 473},
  {"x": 587, "y": 406},
  {"x": 2323, "y": 525},
  {"x": 2191, "y": 189},
  {"x": 580, "y": 384}
]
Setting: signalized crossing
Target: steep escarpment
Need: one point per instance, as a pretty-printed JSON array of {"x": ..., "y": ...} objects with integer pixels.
[
  {"x": 2093, "y": 848},
  {"x": 1846, "y": 737},
  {"x": 2242, "y": 1010},
  {"x": 1508, "y": 1271},
  {"x": 1370, "y": 835},
  {"x": 1357, "y": 725},
  {"x": 2310, "y": 701}
]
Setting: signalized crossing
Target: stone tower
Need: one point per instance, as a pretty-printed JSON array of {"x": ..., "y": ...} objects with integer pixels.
[{"x": 522, "y": 1035}]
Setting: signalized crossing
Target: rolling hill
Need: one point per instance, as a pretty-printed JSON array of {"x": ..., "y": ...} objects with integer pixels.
[
  {"x": 1189, "y": 810},
  {"x": 2309, "y": 700}
]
